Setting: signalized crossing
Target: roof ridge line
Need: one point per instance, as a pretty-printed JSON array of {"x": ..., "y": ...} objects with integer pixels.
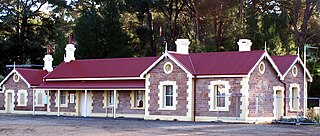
[{"x": 194, "y": 70}]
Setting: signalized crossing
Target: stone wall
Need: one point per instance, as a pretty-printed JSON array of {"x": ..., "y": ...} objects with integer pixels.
[
  {"x": 71, "y": 107},
  {"x": 10, "y": 84},
  {"x": 290, "y": 79},
  {"x": 203, "y": 99},
  {"x": 156, "y": 76},
  {"x": 124, "y": 105},
  {"x": 262, "y": 85}
]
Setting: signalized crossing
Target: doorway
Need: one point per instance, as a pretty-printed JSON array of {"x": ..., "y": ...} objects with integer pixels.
[
  {"x": 84, "y": 109},
  {"x": 279, "y": 101},
  {"x": 9, "y": 103}
]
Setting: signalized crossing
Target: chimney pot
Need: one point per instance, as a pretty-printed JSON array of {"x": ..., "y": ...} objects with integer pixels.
[
  {"x": 244, "y": 44},
  {"x": 182, "y": 46}
]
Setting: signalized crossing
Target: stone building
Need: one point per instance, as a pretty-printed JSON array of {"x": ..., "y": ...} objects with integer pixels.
[{"x": 241, "y": 85}]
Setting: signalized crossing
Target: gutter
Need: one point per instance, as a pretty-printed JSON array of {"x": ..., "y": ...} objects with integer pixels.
[
  {"x": 194, "y": 98},
  {"x": 284, "y": 97}
]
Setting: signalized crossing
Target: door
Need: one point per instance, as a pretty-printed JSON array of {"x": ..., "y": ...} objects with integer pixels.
[
  {"x": 84, "y": 109},
  {"x": 9, "y": 103},
  {"x": 279, "y": 103}
]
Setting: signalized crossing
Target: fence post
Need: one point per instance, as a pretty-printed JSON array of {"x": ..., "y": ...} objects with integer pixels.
[
  {"x": 319, "y": 102},
  {"x": 257, "y": 105},
  {"x": 277, "y": 106},
  {"x": 297, "y": 123},
  {"x": 237, "y": 107},
  {"x": 218, "y": 96}
]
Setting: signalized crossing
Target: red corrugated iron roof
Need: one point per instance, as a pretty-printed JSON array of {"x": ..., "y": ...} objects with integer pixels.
[
  {"x": 101, "y": 84},
  {"x": 33, "y": 76},
  {"x": 219, "y": 63},
  {"x": 284, "y": 62},
  {"x": 102, "y": 68}
]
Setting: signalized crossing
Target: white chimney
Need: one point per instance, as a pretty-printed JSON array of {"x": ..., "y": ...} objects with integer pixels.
[
  {"x": 244, "y": 44},
  {"x": 182, "y": 46},
  {"x": 70, "y": 48},
  {"x": 48, "y": 63}
]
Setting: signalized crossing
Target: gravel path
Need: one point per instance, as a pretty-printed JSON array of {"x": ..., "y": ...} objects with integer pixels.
[{"x": 27, "y": 125}]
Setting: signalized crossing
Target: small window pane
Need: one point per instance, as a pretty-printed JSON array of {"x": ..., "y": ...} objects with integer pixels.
[
  {"x": 168, "y": 95},
  {"x": 22, "y": 98},
  {"x": 110, "y": 98},
  {"x": 39, "y": 98},
  {"x": 63, "y": 98}
]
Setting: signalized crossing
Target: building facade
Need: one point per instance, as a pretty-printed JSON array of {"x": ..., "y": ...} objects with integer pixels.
[{"x": 242, "y": 85}]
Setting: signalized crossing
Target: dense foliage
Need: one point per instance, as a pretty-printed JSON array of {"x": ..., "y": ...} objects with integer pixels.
[{"x": 124, "y": 28}]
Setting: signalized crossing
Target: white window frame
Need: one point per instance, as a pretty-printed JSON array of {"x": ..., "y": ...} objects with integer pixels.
[
  {"x": 72, "y": 98},
  {"x": 59, "y": 102},
  {"x": 161, "y": 95},
  {"x": 37, "y": 97},
  {"x": 25, "y": 92},
  {"x": 291, "y": 97},
  {"x": 164, "y": 67},
  {"x": 292, "y": 71},
  {"x": 134, "y": 99},
  {"x": 110, "y": 98},
  {"x": 213, "y": 99},
  {"x": 264, "y": 68}
]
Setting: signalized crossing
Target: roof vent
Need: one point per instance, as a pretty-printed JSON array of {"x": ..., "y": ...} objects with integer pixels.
[
  {"x": 244, "y": 44},
  {"x": 182, "y": 46}
]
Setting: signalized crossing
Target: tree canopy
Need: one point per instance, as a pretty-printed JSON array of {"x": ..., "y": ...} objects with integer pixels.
[{"x": 130, "y": 28}]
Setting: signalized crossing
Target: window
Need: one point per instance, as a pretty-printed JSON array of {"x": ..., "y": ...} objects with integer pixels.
[
  {"x": 167, "y": 67},
  {"x": 39, "y": 98},
  {"x": 22, "y": 97},
  {"x": 137, "y": 99},
  {"x": 295, "y": 99},
  {"x": 16, "y": 78},
  {"x": 71, "y": 98},
  {"x": 168, "y": 95},
  {"x": 110, "y": 98},
  {"x": 63, "y": 98},
  {"x": 262, "y": 68},
  {"x": 294, "y": 71},
  {"x": 219, "y": 95}
]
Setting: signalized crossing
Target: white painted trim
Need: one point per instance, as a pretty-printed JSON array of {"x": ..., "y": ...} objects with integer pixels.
[
  {"x": 214, "y": 76},
  {"x": 293, "y": 72},
  {"x": 12, "y": 72},
  {"x": 36, "y": 98},
  {"x": 25, "y": 92},
  {"x": 164, "y": 67},
  {"x": 275, "y": 104},
  {"x": 92, "y": 79},
  {"x": 244, "y": 100},
  {"x": 147, "y": 96},
  {"x": 190, "y": 96},
  {"x": 152, "y": 65},
  {"x": 166, "y": 117},
  {"x": 266, "y": 55},
  {"x": 226, "y": 90},
  {"x": 128, "y": 89},
  {"x": 161, "y": 100},
  {"x": 12, "y": 100},
  {"x": 264, "y": 67},
  {"x": 223, "y": 119},
  {"x": 301, "y": 63},
  {"x": 290, "y": 96},
  {"x": 166, "y": 54}
]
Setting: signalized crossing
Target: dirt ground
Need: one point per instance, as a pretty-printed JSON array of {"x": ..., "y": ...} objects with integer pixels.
[{"x": 28, "y": 125}]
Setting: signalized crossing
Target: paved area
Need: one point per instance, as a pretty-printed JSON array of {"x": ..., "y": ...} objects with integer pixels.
[{"x": 28, "y": 125}]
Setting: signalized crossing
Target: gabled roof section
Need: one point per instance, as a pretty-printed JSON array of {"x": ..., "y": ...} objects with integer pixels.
[
  {"x": 285, "y": 63},
  {"x": 219, "y": 63},
  {"x": 32, "y": 77},
  {"x": 102, "y": 68}
]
